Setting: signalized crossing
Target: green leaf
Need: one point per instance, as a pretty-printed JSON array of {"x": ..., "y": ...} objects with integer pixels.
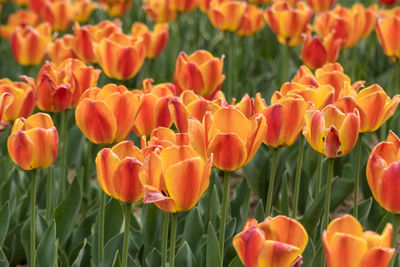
[
  {"x": 388, "y": 218},
  {"x": 256, "y": 171},
  {"x": 193, "y": 231},
  {"x": 4, "y": 222},
  {"x": 284, "y": 194},
  {"x": 46, "y": 251},
  {"x": 260, "y": 216},
  {"x": 185, "y": 257},
  {"x": 213, "y": 256},
  {"x": 214, "y": 206},
  {"x": 117, "y": 261},
  {"x": 240, "y": 203},
  {"x": 153, "y": 258},
  {"x": 151, "y": 218},
  {"x": 3, "y": 259},
  {"x": 115, "y": 217},
  {"x": 363, "y": 209},
  {"x": 115, "y": 244},
  {"x": 66, "y": 213},
  {"x": 308, "y": 253},
  {"x": 236, "y": 262},
  {"x": 62, "y": 256},
  {"x": 83, "y": 258}
]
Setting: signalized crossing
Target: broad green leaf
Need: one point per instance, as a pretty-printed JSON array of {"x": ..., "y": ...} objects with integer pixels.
[
  {"x": 83, "y": 258},
  {"x": 240, "y": 203},
  {"x": 47, "y": 250},
  {"x": 363, "y": 209},
  {"x": 236, "y": 262},
  {"x": 3, "y": 259},
  {"x": 153, "y": 258},
  {"x": 193, "y": 231},
  {"x": 114, "y": 245},
  {"x": 260, "y": 211},
  {"x": 117, "y": 261},
  {"x": 214, "y": 206},
  {"x": 284, "y": 194},
  {"x": 185, "y": 257},
  {"x": 115, "y": 216},
  {"x": 213, "y": 257},
  {"x": 257, "y": 170},
  {"x": 151, "y": 218},
  {"x": 62, "y": 257},
  {"x": 4, "y": 222},
  {"x": 388, "y": 218}
]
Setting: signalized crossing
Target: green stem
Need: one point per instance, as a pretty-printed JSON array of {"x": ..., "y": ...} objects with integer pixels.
[
  {"x": 33, "y": 228},
  {"x": 328, "y": 194},
  {"x": 101, "y": 227},
  {"x": 49, "y": 195},
  {"x": 174, "y": 222},
  {"x": 64, "y": 132},
  {"x": 319, "y": 173},
  {"x": 357, "y": 180},
  {"x": 271, "y": 185},
  {"x": 284, "y": 71},
  {"x": 165, "y": 239},
  {"x": 298, "y": 177},
  {"x": 125, "y": 247},
  {"x": 224, "y": 211}
]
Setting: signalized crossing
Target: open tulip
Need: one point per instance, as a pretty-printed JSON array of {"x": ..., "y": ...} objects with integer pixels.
[
  {"x": 154, "y": 41},
  {"x": 275, "y": 242},
  {"x": 331, "y": 132},
  {"x": 320, "y": 5},
  {"x": 229, "y": 135},
  {"x": 106, "y": 116},
  {"x": 199, "y": 72},
  {"x": 33, "y": 142},
  {"x": 346, "y": 245},
  {"x": 159, "y": 10},
  {"x": 19, "y": 18}
]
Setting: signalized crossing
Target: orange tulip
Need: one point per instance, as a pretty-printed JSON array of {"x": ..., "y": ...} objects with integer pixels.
[
  {"x": 38, "y": 5},
  {"x": 205, "y": 5},
  {"x": 316, "y": 53},
  {"x": 121, "y": 56},
  {"x": 105, "y": 116},
  {"x": 23, "y": 99},
  {"x": 261, "y": 2},
  {"x": 19, "y": 18},
  {"x": 61, "y": 49},
  {"x": 154, "y": 41},
  {"x": 159, "y": 10},
  {"x": 183, "y": 5},
  {"x": 60, "y": 87},
  {"x": 29, "y": 44},
  {"x": 346, "y": 245},
  {"x": 275, "y": 242},
  {"x": 229, "y": 135},
  {"x": 165, "y": 137},
  {"x": 383, "y": 172},
  {"x": 117, "y": 8},
  {"x": 285, "y": 120},
  {"x": 373, "y": 104},
  {"x": 331, "y": 132},
  {"x": 118, "y": 171},
  {"x": 175, "y": 178},
  {"x": 252, "y": 21},
  {"x": 6, "y": 100},
  {"x": 83, "y": 9},
  {"x": 154, "y": 110},
  {"x": 33, "y": 142},
  {"x": 388, "y": 29},
  {"x": 226, "y": 15},
  {"x": 199, "y": 72},
  {"x": 288, "y": 23},
  {"x": 59, "y": 14},
  {"x": 320, "y": 5}
]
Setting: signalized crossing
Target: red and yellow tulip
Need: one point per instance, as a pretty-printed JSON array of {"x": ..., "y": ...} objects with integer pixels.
[
  {"x": 58, "y": 14},
  {"x": 33, "y": 142},
  {"x": 275, "y": 242},
  {"x": 320, "y": 5},
  {"x": 183, "y": 5},
  {"x": 159, "y": 10},
  {"x": 388, "y": 28},
  {"x": 154, "y": 41},
  {"x": 165, "y": 137},
  {"x": 117, "y": 8},
  {"x": 346, "y": 245},
  {"x": 61, "y": 49},
  {"x": 226, "y": 15},
  {"x": 19, "y": 18},
  {"x": 83, "y": 9},
  {"x": 6, "y": 100},
  {"x": 252, "y": 21}
]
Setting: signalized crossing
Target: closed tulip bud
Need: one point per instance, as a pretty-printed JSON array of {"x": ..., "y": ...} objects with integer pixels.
[
  {"x": 118, "y": 171},
  {"x": 331, "y": 132},
  {"x": 232, "y": 138},
  {"x": 387, "y": 28},
  {"x": 83, "y": 9},
  {"x": 252, "y": 21},
  {"x": 320, "y": 5},
  {"x": 175, "y": 178},
  {"x": 61, "y": 49},
  {"x": 19, "y": 18},
  {"x": 121, "y": 56},
  {"x": 226, "y": 15},
  {"x": 33, "y": 142},
  {"x": 183, "y": 5},
  {"x": 346, "y": 245},
  {"x": 275, "y": 242},
  {"x": 159, "y": 10},
  {"x": 117, "y": 8},
  {"x": 199, "y": 72},
  {"x": 105, "y": 116},
  {"x": 29, "y": 44},
  {"x": 154, "y": 41},
  {"x": 154, "y": 111},
  {"x": 59, "y": 14},
  {"x": 23, "y": 99},
  {"x": 288, "y": 23},
  {"x": 383, "y": 172}
]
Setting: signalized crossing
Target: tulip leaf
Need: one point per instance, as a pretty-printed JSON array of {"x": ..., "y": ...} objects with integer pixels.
[
  {"x": 67, "y": 212},
  {"x": 117, "y": 261},
  {"x": 388, "y": 218},
  {"x": 4, "y": 222},
  {"x": 308, "y": 253},
  {"x": 115, "y": 216},
  {"x": 256, "y": 172},
  {"x": 363, "y": 209},
  {"x": 236, "y": 262},
  {"x": 46, "y": 251},
  {"x": 193, "y": 231},
  {"x": 111, "y": 247},
  {"x": 62, "y": 256},
  {"x": 260, "y": 215},
  {"x": 213, "y": 256},
  {"x": 240, "y": 203},
  {"x": 153, "y": 258},
  {"x": 79, "y": 261},
  {"x": 284, "y": 197},
  {"x": 214, "y": 206},
  {"x": 3, "y": 259},
  {"x": 184, "y": 256},
  {"x": 151, "y": 218},
  {"x": 319, "y": 256}
]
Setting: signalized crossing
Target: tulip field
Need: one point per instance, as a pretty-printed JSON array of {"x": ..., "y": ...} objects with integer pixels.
[{"x": 216, "y": 133}]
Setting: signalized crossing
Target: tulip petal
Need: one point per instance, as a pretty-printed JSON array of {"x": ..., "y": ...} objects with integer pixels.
[
  {"x": 248, "y": 245},
  {"x": 106, "y": 164},
  {"x": 377, "y": 257},
  {"x": 21, "y": 149},
  {"x": 45, "y": 146},
  {"x": 277, "y": 254},
  {"x": 197, "y": 137},
  {"x": 152, "y": 195},
  {"x": 389, "y": 188},
  {"x": 126, "y": 181}
]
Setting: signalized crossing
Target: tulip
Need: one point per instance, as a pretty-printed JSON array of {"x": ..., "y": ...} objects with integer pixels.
[
  {"x": 117, "y": 8},
  {"x": 226, "y": 15},
  {"x": 23, "y": 99},
  {"x": 61, "y": 49},
  {"x": 165, "y": 137},
  {"x": 83, "y": 10},
  {"x": 205, "y": 5},
  {"x": 388, "y": 2},
  {"x": 320, "y": 5},
  {"x": 154, "y": 110},
  {"x": 316, "y": 53},
  {"x": 154, "y": 41},
  {"x": 182, "y": 5},
  {"x": 19, "y": 18},
  {"x": 288, "y": 23},
  {"x": 387, "y": 29},
  {"x": 105, "y": 116},
  {"x": 199, "y": 72},
  {"x": 252, "y": 21},
  {"x": 275, "y": 242},
  {"x": 6, "y": 100},
  {"x": 346, "y": 245},
  {"x": 58, "y": 14},
  {"x": 33, "y": 142},
  {"x": 29, "y": 44},
  {"x": 159, "y": 10},
  {"x": 121, "y": 56},
  {"x": 60, "y": 87}
]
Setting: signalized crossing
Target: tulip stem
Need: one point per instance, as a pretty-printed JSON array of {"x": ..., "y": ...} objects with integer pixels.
[
  {"x": 328, "y": 194},
  {"x": 357, "y": 180},
  {"x": 271, "y": 185},
  {"x": 174, "y": 222},
  {"x": 49, "y": 191},
  {"x": 284, "y": 71},
  {"x": 64, "y": 125},
  {"x": 125, "y": 247},
  {"x": 101, "y": 227},
  {"x": 165, "y": 240},
  {"x": 298, "y": 177},
  {"x": 224, "y": 211},
  {"x": 33, "y": 217},
  {"x": 319, "y": 173}
]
